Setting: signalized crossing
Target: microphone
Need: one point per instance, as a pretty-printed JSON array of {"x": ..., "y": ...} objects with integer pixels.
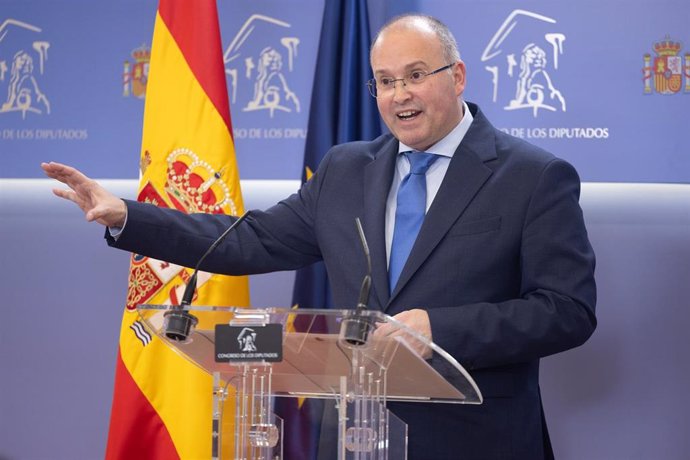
[
  {"x": 178, "y": 322},
  {"x": 363, "y": 302},
  {"x": 356, "y": 325}
]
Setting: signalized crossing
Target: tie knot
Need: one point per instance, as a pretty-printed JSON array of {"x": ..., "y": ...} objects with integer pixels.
[{"x": 420, "y": 161}]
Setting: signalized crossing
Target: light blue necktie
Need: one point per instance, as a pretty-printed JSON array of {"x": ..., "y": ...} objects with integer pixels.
[{"x": 409, "y": 213}]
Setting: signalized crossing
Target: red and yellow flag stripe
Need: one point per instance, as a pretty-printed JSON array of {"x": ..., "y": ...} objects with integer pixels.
[{"x": 162, "y": 403}]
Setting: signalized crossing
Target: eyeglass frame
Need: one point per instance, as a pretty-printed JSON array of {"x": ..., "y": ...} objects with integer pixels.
[{"x": 371, "y": 83}]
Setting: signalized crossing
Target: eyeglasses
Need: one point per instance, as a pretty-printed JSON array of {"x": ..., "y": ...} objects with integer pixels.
[{"x": 385, "y": 85}]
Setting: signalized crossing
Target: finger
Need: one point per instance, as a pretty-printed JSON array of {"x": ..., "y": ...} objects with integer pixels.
[
  {"x": 66, "y": 194},
  {"x": 48, "y": 166},
  {"x": 53, "y": 169},
  {"x": 65, "y": 174},
  {"x": 54, "y": 165},
  {"x": 384, "y": 330},
  {"x": 380, "y": 330}
]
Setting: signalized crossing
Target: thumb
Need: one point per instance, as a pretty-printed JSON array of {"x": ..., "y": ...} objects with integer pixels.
[
  {"x": 92, "y": 215},
  {"x": 97, "y": 213}
]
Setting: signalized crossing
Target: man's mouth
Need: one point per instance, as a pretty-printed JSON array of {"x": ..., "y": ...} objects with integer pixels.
[{"x": 408, "y": 114}]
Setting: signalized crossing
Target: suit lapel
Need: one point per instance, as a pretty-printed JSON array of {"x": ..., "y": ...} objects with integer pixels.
[
  {"x": 378, "y": 176},
  {"x": 466, "y": 174}
]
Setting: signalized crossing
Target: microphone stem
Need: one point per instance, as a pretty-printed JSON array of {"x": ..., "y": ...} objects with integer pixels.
[{"x": 191, "y": 284}]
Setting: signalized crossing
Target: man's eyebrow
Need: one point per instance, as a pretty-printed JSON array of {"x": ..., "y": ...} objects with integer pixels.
[{"x": 409, "y": 66}]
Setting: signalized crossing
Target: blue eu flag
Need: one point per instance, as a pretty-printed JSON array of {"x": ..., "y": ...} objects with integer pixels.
[{"x": 341, "y": 111}]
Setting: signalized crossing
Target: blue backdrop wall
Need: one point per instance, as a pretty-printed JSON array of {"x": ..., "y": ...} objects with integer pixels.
[{"x": 605, "y": 85}]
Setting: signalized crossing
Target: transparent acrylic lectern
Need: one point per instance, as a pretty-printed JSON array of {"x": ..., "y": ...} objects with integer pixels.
[{"x": 327, "y": 354}]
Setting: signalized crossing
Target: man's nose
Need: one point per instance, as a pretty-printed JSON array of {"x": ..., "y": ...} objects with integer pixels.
[{"x": 400, "y": 91}]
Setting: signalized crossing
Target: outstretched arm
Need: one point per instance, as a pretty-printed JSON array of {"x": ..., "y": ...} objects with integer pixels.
[{"x": 97, "y": 203}]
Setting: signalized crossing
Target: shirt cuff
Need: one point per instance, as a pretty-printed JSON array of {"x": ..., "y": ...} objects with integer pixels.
[{"x": 115, "y": 232}]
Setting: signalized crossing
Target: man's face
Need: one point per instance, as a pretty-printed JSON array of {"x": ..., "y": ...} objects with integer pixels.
[{"x": 418, "y": 115}]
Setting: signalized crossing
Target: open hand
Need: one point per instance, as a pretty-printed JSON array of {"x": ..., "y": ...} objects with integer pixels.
[{"x": 97, "y": 203}]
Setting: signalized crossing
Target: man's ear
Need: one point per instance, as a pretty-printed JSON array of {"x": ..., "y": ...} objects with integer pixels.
[{"x": 459, "y": 77}]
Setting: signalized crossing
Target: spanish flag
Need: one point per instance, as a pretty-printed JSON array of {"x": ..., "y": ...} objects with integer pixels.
[{"x": 162, "y": 403}]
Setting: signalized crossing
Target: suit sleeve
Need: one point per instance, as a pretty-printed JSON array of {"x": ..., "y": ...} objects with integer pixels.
[
  {"x": 280, "y": 238},
  {"x": 556, "y": 307}
]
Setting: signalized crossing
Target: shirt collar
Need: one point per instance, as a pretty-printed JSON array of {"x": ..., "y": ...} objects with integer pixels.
[{"x": 449, "y": 144}]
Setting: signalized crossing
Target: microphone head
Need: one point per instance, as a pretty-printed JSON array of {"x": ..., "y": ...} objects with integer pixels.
[
  {"x": 178, "y": 324},
  {"x": 356, "y": 328}
]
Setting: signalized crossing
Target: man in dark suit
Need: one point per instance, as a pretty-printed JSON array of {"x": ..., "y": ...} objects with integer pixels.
[{"x": 500, "y": 273}]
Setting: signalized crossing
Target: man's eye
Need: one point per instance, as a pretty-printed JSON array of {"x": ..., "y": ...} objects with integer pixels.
[
  {"x": 417, "y": 75},
  {"x": 385, "y": 81}
]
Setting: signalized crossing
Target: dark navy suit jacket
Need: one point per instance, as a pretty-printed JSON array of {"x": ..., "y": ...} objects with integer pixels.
[{"x": 502, "y": 264}]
